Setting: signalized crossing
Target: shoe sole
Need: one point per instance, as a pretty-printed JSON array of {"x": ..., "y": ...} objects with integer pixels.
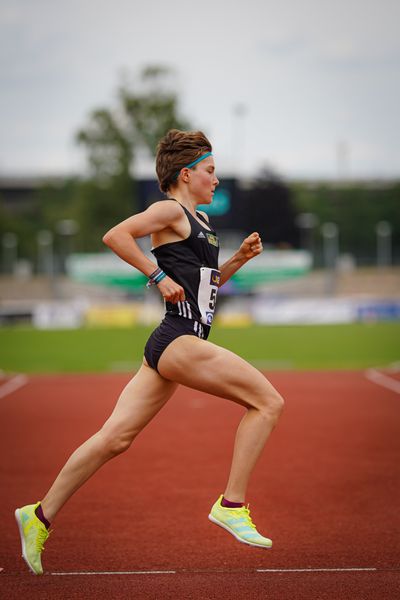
[
  {"x": 21, "y": 535},
  {"x": 239, "y": 539}
]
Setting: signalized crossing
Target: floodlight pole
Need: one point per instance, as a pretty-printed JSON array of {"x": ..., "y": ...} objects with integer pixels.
[
  {"x": 342, "y": 160},
  {"x": 331, "y": 251},
  {"x": 383, "y": 244},
  {"x": 306, "y": 222},
  {"x": 66, "y": 228},
  {"x": 45, "y": 252},
  {"x": 46, "y": 265},
  {"x": 9, "y": 243},
  {"x": 239, "y": 112}
]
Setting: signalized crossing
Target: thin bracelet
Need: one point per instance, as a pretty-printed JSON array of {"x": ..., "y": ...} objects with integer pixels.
[
  {"x": 160, "y": 277},
  {"x": 155, "y": 273},
  {"x": 157, "y": 276}
]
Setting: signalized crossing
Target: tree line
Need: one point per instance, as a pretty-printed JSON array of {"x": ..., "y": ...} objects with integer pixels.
[{"x": 113, "y": 138}]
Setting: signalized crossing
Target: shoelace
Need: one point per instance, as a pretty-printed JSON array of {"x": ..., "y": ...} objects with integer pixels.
[
  {"x": 239, "y": 514},
  {"x": 42, "y": 536}
]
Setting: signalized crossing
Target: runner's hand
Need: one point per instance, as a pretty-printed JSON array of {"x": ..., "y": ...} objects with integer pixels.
[
  {"x": 171, "y": 291},
  {"x": 251, "y": 246}
]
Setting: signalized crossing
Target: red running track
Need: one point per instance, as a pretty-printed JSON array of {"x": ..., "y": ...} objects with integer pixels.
[{"x": 326, "y": 491}]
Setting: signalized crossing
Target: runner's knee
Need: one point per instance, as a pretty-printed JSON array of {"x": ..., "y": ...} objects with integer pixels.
[
  {"x": 115, "y": 441},
  {"x": 272, "y": 405}
]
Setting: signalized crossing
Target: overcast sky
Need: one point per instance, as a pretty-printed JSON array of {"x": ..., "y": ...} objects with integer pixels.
[{"x": 312, "y": 76}]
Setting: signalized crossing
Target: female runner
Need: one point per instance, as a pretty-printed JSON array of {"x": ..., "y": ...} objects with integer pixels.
[{"x": 188, "y": 277}]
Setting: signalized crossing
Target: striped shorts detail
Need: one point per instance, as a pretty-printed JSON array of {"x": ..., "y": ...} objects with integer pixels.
[{"x": 171, "y": 327}]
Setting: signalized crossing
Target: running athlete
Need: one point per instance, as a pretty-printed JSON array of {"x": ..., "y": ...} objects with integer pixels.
[{"x": 187, "y": 276}]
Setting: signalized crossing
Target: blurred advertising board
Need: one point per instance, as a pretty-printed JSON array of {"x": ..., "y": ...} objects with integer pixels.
[
  {"x": 273, "y": 265},
  {"x": 314, "y": 311}
]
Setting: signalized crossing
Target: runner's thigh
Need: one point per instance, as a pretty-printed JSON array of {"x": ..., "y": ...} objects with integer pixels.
[
  {"x": 141, "y": 399},
  {"x": 204, "y": 366}
]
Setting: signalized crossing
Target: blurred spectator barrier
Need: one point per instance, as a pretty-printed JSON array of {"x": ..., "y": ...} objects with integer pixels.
[
  {"x": 59, "y": 315},
  {"x": 313, "y": 311},
  {"x": 260, "y": 310}
]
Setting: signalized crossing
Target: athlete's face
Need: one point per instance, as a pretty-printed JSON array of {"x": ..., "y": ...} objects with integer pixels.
[{"x": 203, "y": 181}]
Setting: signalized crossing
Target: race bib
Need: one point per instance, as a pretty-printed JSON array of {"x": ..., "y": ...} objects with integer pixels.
[{"x": 207, "y": 295}]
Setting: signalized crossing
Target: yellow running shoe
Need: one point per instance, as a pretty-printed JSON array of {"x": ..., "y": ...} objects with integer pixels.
[
  {"x": 238, "y": 522},
  {"x": 33, "y": 536}
]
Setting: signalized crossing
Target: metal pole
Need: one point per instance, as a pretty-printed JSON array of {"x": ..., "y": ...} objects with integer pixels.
[
  {"x": 10, "y": 251},
  {"x": 342, "y": 160},
  {"x": 45, "y": 252},
  {"x": 306, "y": 223},
  {"x": 239, "y": 112},
  {"x": 331, "y": 251},
  {"x": 66, "y": 228},
  {"x": 383, "y": 244}
]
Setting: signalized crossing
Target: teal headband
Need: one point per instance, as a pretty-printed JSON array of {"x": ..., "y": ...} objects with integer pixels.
[{"x": 190, "y": 165}]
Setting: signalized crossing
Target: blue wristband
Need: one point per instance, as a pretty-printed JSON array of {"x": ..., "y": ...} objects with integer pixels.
[
  {"x": 159, "y": 277},
  {"x": 155, "y": 278}
]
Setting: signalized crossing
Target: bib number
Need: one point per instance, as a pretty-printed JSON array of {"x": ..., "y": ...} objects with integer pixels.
[{"x": 207, "y": 295}]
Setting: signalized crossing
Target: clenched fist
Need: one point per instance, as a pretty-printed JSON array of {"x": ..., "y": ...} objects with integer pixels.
[
  {"x": 251, "y": 246},
  {"x": 171, "y": 291}
]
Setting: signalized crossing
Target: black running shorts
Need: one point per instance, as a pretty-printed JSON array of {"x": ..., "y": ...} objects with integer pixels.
[{"x": 171, "y": 327}]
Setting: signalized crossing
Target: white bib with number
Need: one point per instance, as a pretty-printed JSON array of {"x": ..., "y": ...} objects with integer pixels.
[{"x": 207, "y": 295}]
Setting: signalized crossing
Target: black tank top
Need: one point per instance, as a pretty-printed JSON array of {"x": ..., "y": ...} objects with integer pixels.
[{"x": 193, "y": 263}]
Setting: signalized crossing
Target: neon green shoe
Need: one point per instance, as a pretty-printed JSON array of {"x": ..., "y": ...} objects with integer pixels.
[
  {"x": 238, "y": 522},
  {"x": 33, "y": 536}
]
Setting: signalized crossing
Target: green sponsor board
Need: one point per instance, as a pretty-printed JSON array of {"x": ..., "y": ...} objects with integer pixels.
[
  {"x": 272, "y": 265},
  {"x": 253, "y": 278},
  {"x": 105, "y": 269},
  {"x": 108, "y": 270},
  {"x": 134, "y": 281}
]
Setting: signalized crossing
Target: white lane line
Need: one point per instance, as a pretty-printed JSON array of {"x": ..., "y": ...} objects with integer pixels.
[
  {"x": 12, "y": 385},
  {"x": 383, "y": 380},
  {"x": 320, "y": 570},
  {"x": 305, "y": 570},
  {"x": 116, "y": 573}
]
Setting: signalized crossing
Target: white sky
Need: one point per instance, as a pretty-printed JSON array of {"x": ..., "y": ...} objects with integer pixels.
[{"x": 312, "y": 74}]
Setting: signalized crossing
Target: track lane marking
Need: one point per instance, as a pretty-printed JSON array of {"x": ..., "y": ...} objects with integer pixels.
[
  {"x": 318, "y": 570},
  {"x": 116, "y": 573},
  {"x": 199, "y": 571},
  {"x": 383, "y": 380},
  {"x": 13, "y": 384}
]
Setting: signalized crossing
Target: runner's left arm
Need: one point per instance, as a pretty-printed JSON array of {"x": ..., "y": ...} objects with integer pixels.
[{"x": 250, "y": 247}]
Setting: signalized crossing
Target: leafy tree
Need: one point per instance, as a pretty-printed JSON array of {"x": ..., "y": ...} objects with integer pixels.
[
  {"x": 23, "y": 224},
  {"x": 109, "y": 149},
  {"x": 153, "y": 111},
  {"x": 112, "y": 139},
  {"x": 143, "y": 114}
]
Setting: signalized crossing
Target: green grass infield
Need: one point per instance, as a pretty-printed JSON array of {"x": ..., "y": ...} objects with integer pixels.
[{"x": 355, "y": 346}]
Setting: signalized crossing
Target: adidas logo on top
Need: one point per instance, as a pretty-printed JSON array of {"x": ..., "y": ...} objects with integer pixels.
[{"x": 201, "y": 235}]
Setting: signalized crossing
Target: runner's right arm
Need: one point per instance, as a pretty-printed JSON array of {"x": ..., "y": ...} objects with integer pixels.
[{"x": 121, "y": 239}]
